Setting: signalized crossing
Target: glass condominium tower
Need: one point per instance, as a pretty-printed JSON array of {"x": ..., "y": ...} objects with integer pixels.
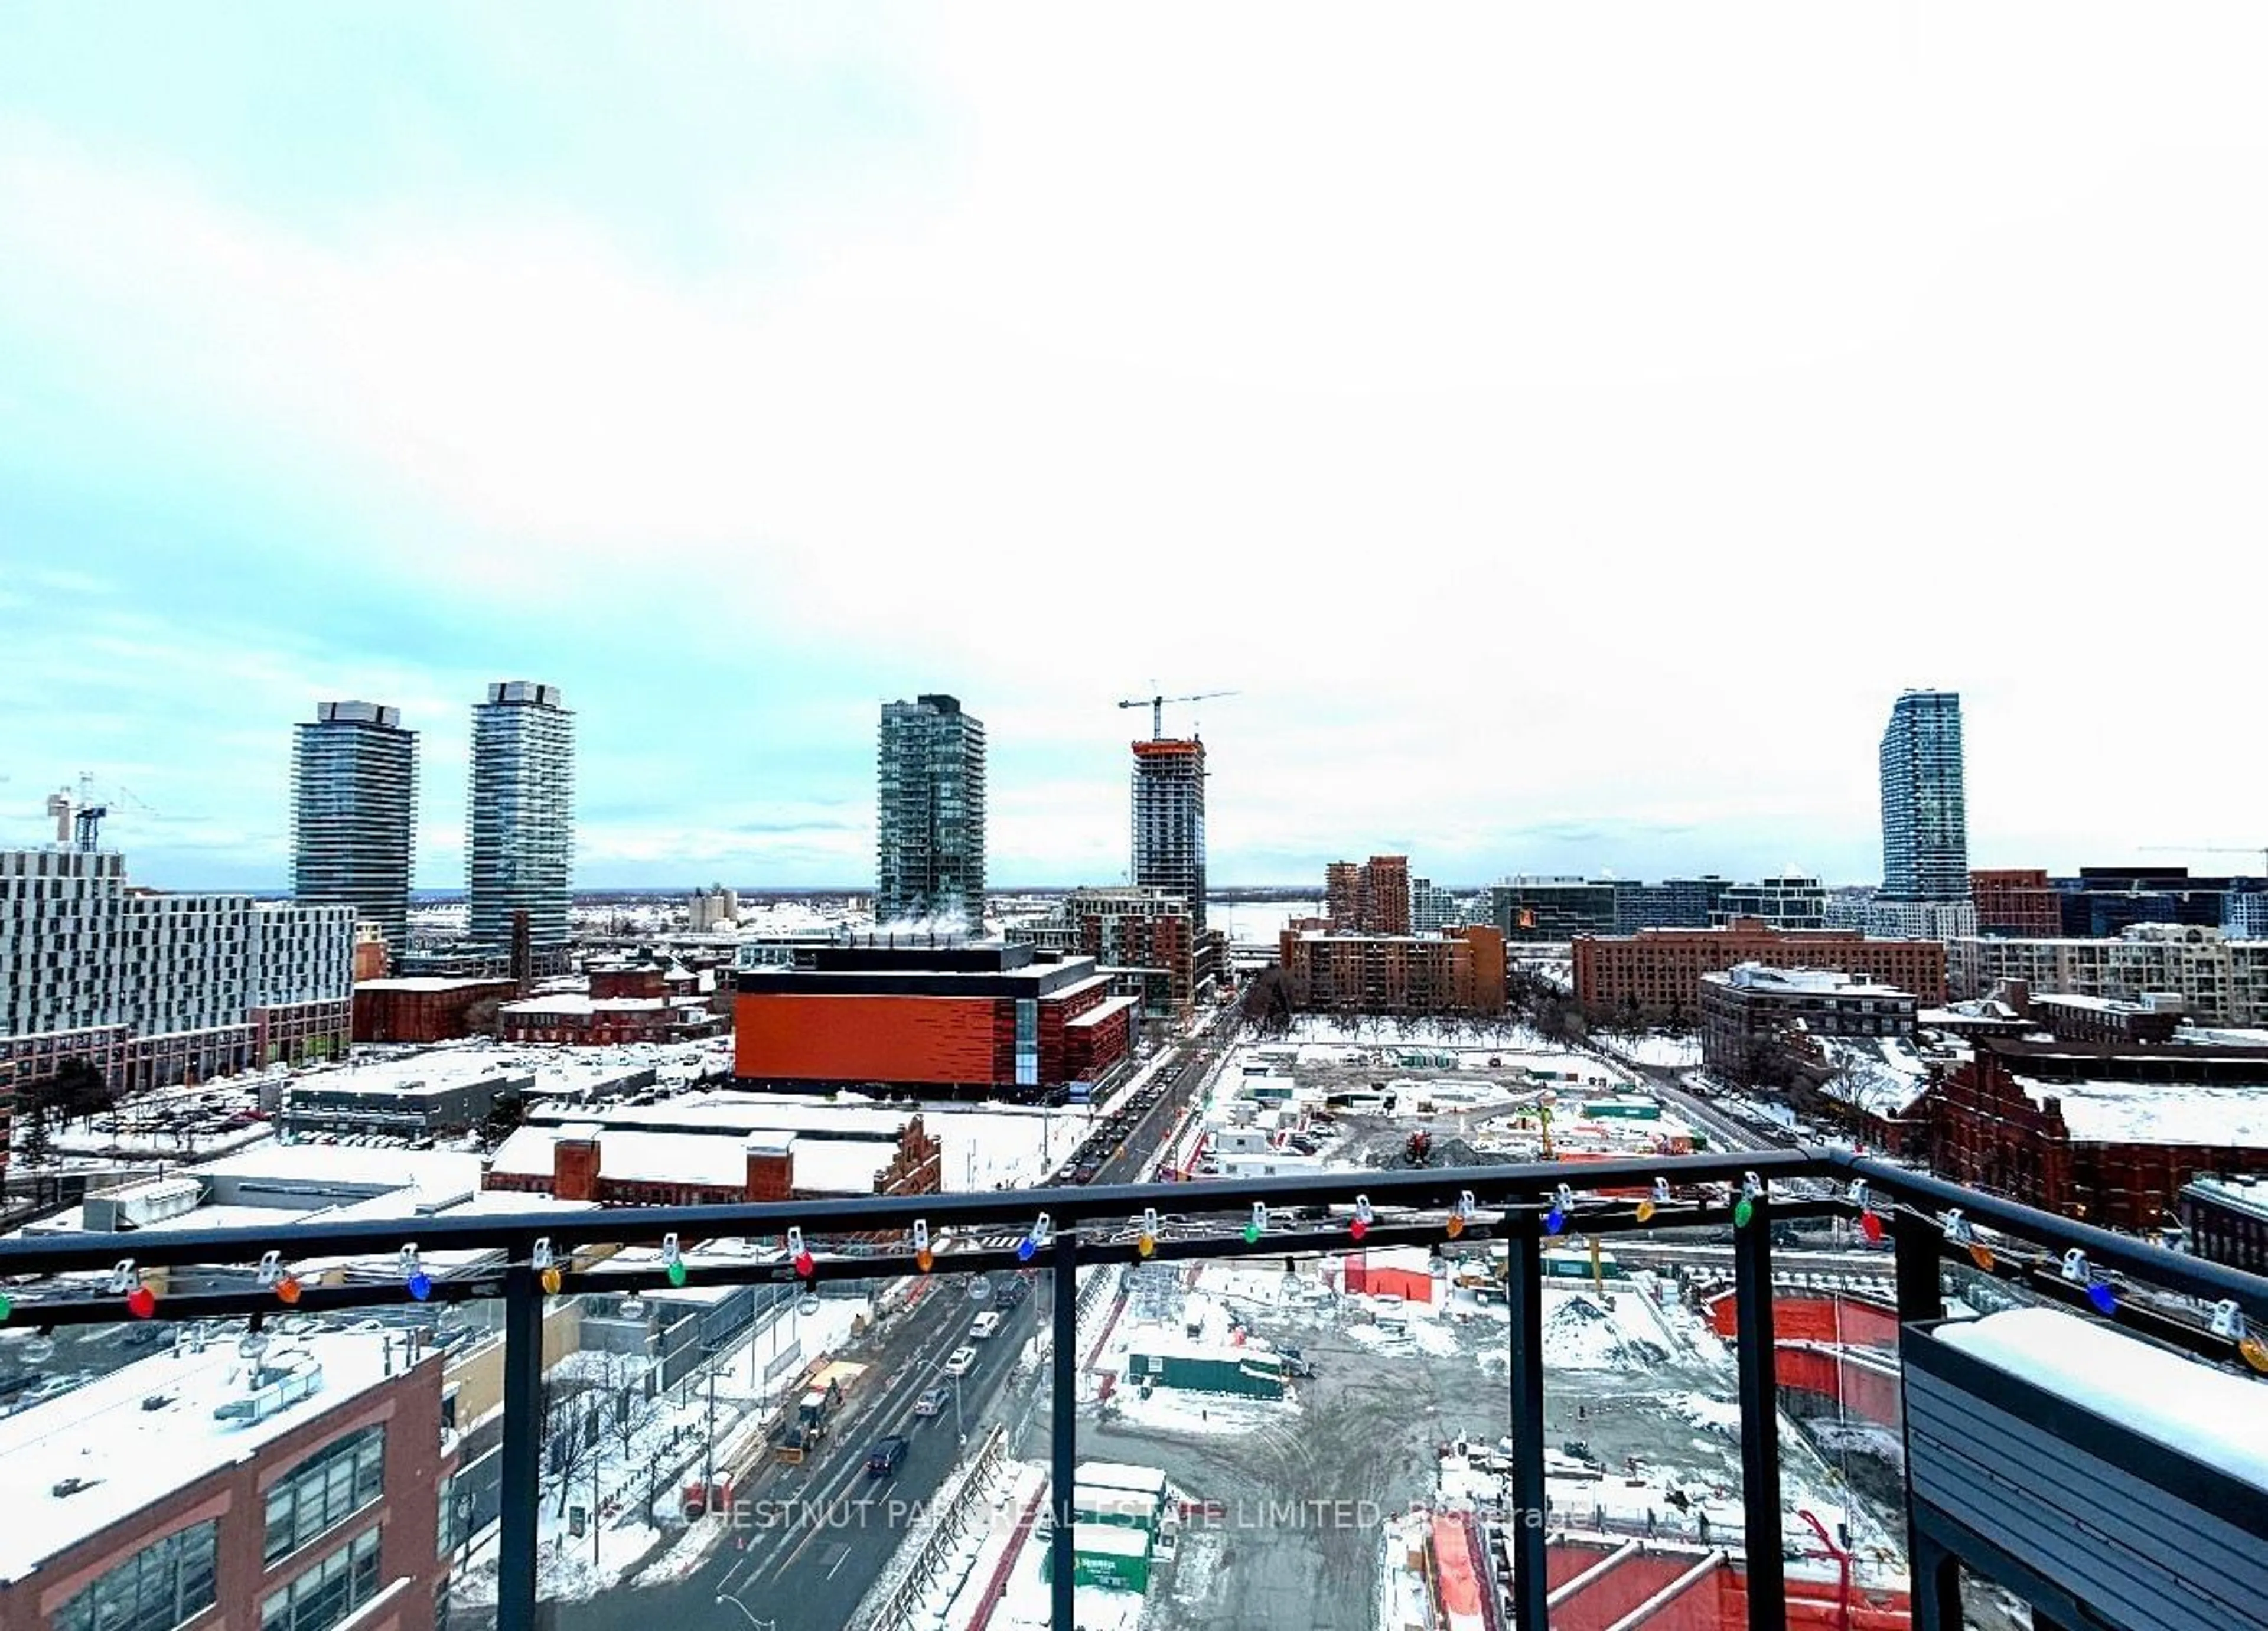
[
  {"x": 930, "y": 814},
  {"x": 520, "y": 849},
  {"x": 354, "y": 813},
  {"x": 1925, "y": 811},
  {"x": 1169, "y": 820}
]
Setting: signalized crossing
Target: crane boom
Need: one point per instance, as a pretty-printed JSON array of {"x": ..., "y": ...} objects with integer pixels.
[{"x": 1157, "y": 707}]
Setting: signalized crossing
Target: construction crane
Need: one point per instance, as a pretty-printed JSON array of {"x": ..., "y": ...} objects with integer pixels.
[
  {"x": 1157, "y": 707},
  {"x": 79, "y": 820},
  {"x": 2212, "y": 849}
]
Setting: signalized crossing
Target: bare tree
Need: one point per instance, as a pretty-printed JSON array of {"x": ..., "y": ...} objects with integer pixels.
[
  {"x": 570, "y": 1428},
  {"x": 627, "y": 1400}
]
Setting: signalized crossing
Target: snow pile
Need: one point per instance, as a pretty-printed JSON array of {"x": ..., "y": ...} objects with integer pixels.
[
  {"x": 1722, "y": 1413},
  {"x": 1667, "y": 1053},
  {"x": 1581, "y": 1335}
]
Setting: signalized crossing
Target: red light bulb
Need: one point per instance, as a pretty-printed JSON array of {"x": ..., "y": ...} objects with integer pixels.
[
  {"x": 803, "y": 1264},
  {"x": 142, "y": 1302},
  {"x": 1870, "y": 1226},
  {"x": 1357, "y": 1229}
]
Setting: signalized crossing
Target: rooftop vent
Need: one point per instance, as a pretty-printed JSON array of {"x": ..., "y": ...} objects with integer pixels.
[
  {"x": 72, "y": 1485},
  {"x": 156, "y": 1401}
]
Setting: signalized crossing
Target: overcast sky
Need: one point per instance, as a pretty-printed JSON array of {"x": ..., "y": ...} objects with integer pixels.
[{"x": 1567, "y": 429}]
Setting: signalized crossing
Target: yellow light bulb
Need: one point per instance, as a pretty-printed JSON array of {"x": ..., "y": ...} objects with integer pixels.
[
  {"x": 1645, "y": 1210},
  {"x": 551, "y": 1282},
  {"x": 1981, "y": 1254},
  {"x": 2255, "y": 1352},
  {"x": 1145, "y": 1245},
  {"x": 924, "y": 1260},
  {"x": 1455, "y": 1225}
]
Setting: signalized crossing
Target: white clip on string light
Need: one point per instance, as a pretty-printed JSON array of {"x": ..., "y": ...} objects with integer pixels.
[
  {"x": 1869, "y": 1224},
  {"x": 673, "y": 1261},
  {"x": 1658, "y": 1198},
  {"x": 547, "y": 1272},
  {"x": 1257, "y": 1225},
  {"x": 415, "y": 1280},
  {"x": 2076, "y": 1270},
  {"x": 141, "y": 1301},
  {"x": 1562, "y": 1202},
  {"x": 1462, "y": 1215},
  {"x": 1751, "y": 1188},
  {"x": 1364, "y": 1217},
  {"x": 1146, "y": 1232},
  {"x": 1028, "y": 1247},
  {"x": 798, "y": 1254},
  {"x": 925, "y": 1259}
]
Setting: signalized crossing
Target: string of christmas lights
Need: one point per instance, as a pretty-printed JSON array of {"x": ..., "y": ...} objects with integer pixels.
[{"x": 1556, "y": 1213}]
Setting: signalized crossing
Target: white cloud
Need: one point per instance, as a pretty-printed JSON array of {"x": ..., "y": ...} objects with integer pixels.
[{"x": 1591, "y": 418}]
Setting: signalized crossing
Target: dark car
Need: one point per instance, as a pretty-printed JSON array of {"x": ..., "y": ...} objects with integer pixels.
[
  {"x": 1012, "y": 1291},
  {"x": 885, "y": 1457}
]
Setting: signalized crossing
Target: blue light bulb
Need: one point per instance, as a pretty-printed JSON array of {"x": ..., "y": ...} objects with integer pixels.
[
  {"x": 1555, "y": 1220},
  {"x": 2105, "y": 1300},
  {"x": 1024, "y": 1250},
  {"x": 420, "y": 1287}
]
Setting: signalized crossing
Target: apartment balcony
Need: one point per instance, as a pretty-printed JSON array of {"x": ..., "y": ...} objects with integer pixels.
[{"x": 1784, "y": 1388}]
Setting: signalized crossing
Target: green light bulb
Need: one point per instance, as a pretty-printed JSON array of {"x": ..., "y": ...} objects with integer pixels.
[
  {"x": 676, "y": 1273},
  {"x": 1743, "y": 1212},
  {"x": 1252, "y": 1234}
]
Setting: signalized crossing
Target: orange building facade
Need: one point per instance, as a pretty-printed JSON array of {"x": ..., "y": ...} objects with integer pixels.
[{"x": 968, "y": 1022}]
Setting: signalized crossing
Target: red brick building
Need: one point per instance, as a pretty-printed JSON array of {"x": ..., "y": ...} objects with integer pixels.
[
  {"x": 1460, "y": 973},
  {"x": 2113, "y": 1151},
  {"x": 618, "y": 1166},
  {"x": 427, "y": 1008},
  {"x": 1372, "y": 898},
  {"x": 2016, "y": 902},
  {"x": 970, "y": 1022},
  {"x": 623, "y": 1005},
  {"x": 133, "y": 1502},
  {"x": 1657, "y": 972}
]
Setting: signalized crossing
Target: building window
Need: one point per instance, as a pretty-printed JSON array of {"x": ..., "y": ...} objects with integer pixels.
[
  {"x": 325, "y": 1490},
  {"x": 161, "y": 1586},
  {"x": 326, "y": 1593}
]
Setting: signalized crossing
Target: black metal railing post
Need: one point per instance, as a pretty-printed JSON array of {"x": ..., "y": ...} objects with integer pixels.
[
  {"x": 1531, "y": 1557},
  {"x": 1062, "y": 1447},
  {"x": 1933, "y": 1578},
  {"x": 1759, "y": 1389},
  {"x": 522, "y": 1455},
  {"x": 1920, "y": 1269}
]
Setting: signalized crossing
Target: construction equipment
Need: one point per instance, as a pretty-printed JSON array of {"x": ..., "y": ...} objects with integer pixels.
[
  {"x": 1157, "y": 707},
  {"x": 1418, "y": 1151},
  {"x": 78, "y": 818}
]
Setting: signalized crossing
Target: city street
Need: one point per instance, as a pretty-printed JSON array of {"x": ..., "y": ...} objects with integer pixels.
[{"x": 811, "y": 1541}]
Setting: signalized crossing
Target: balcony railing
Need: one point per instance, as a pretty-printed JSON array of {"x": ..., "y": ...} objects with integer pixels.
[{"x": 520, "y": 1261}]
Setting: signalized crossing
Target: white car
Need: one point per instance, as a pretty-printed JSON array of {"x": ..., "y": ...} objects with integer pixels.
[
  {"x": 963, "y": 1361},
  {"x": 984, "y": 1326}
]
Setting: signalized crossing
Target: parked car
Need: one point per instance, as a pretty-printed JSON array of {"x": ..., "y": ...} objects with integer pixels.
[
  {"x": 963, "y": 1361},
  {"x": 932, "y": 1402},
  {"x": 886, "y": 1456}
]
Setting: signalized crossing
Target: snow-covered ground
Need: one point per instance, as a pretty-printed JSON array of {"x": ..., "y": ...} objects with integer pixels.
[{"x": 1667, "y": 1053}]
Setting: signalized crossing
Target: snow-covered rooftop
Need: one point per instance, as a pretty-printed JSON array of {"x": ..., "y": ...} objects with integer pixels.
[
  {"x": 439, "y": 1071},
  {"x": 982, "y": 1147},
  {"x": 428, "y": 982},
  {"x": 2214, "y": 1417},
  {"x": 712, "y": 1159},
  {"x": 2158, "y": 1112},
  {"x": 131, "y": 1454},
  {"x": 296, "y": 1168}
]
